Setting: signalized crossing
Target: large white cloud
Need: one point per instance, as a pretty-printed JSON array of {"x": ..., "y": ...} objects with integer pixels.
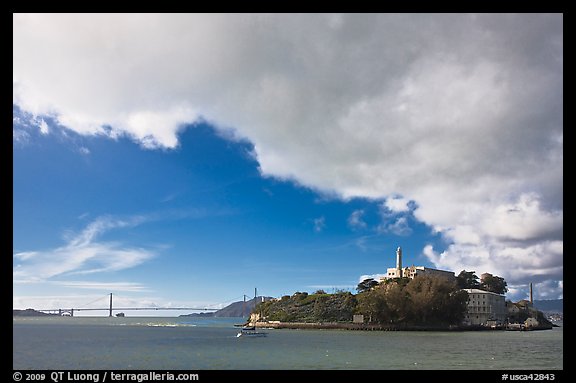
[{"x": 461, "y": 114}]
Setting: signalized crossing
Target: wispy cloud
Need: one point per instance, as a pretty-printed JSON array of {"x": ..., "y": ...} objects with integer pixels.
[
  {"x": 355, "y": 220},
  {"x": 20, "y": 136},
  {"x": 82, "y": 254},
  {"x": 43, "y": 126},
  {"x": 394, "y": 214},
  {"x": 361, "y": 243},
  {"x": 108, "y": 286},
  {"x": 84, "y": 150},
  {"x": 400, "y": 227},
  {"x": 319, "y": 224}
]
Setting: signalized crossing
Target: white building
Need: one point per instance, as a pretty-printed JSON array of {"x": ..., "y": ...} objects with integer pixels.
[
  {"x": 395, "y": 272},
  {"x": 412, "y": 271},
  {"x": 484, "y": 307}
]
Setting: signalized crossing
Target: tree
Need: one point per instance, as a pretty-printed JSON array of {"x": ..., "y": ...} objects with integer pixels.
[
  {"x": 436, "y": 300},
  {"x": 399, "y": 303},
  {"x": 458, "y": 305},
  {"x": 366, "y": 285},
  {"x": 372, "y": 304},
  {"x": 424, "y": 300},
  {"x": 467, "y": 280},
  {"x": 494, "y": 284}
]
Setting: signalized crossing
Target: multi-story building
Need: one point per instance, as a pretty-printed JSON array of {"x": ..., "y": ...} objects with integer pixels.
[{"x": 485, "y": 307}]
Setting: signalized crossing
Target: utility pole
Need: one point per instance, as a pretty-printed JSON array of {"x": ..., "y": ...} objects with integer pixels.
[{"x": 110, "y": 305}]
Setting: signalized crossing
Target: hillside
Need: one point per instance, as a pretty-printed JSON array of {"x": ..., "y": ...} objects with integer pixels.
[
  {"x": 304, "y": 307},
  {"x": 236, "y": 309},
  {"x": 30, "y": 313}
]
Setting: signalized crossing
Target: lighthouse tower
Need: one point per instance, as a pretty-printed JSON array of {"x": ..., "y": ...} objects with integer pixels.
[{"x": 399, "y": 262}]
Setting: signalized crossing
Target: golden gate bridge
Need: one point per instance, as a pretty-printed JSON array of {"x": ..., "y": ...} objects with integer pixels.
[{"x": 110, "y": 309}]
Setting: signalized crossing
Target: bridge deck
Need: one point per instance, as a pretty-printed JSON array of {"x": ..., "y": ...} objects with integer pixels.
[{"x": 128, "y": 309}]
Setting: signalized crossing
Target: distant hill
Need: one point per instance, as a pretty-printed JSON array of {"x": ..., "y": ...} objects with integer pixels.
[
  {"x": 236, "y": 309},
  {"x": 550, "y": 305},
  {"x": 29, "y": 313}
]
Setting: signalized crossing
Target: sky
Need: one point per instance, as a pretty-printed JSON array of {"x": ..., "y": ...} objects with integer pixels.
[{"x": 182, "y": 160}]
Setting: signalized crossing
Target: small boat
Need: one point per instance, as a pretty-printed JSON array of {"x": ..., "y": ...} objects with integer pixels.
[
  {"x": 250, "y": 331},
  {"x": 247, "y": 330}
]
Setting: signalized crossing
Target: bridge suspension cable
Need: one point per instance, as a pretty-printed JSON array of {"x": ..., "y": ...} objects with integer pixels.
[
  {"x": 111, "y": 308},
  {"x": 96, "y": 300}
]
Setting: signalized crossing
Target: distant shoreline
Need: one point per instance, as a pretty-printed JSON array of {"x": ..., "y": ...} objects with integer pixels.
[{"x": 30, "y": 313}]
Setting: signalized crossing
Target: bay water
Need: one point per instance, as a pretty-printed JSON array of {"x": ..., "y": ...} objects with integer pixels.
[{"x": 188, "y": 343}]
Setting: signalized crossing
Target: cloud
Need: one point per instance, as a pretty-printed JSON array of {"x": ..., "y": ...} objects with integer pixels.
[
  {"x": 460, "y": 113},
  {"x": 81, "y": 255},
  {"x": 355, "y": 220},
  {"x": 394, "y": 214},
  {"x": 397, "y": 204},
  {"x": 522, "y": 220},
  {"x": 541, "y": 291},
  {"x": 107, "y": 286},
  {"x": 400, "y": 227},
  {"x": 44, "y": 129},
  {"x": 20, "y": 136},
  {"x": 319, "y": 224},
  {"x": 519, "y": 263}
]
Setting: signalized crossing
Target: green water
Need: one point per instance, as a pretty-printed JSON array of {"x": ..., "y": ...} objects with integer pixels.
[{"x": 211, "y": 344}]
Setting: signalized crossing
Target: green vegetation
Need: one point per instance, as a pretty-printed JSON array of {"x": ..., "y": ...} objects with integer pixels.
[
  {"x": 426, "y": 300},
  {"x": 366, "y": 285},
  {"x": 469, "y": 280},
  {"x": 304, "y": 307},
  {"x": 494, "y": 284}
]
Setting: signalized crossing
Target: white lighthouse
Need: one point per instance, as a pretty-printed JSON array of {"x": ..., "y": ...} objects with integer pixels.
[{"x": 399, "y": 262}]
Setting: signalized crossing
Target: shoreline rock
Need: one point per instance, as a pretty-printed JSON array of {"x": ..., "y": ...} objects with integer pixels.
[{"x": 376, "y": 327}]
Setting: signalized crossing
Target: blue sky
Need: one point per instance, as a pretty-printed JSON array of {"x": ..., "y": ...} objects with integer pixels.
[
  {"x": 182, "y": 160},
  {"x": 207, "y": 227}
]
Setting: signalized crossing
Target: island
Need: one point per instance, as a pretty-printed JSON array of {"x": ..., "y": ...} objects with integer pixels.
[{"x": 424, "y": 302}]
